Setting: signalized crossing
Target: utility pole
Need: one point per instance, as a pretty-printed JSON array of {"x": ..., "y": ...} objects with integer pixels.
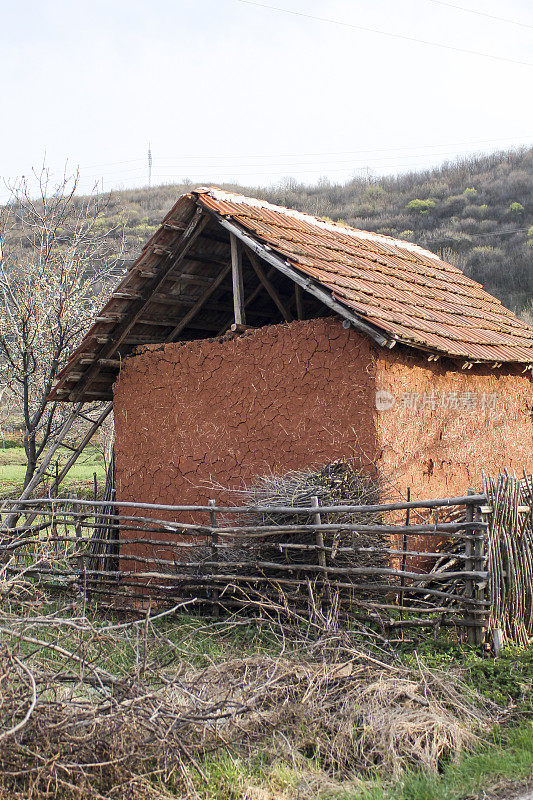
[{"x": 149, "y": 166}]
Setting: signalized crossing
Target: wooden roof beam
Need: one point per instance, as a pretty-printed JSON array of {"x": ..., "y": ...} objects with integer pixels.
[
  {"x": 196, "y": 225},
  {"x": 193, "y": 311},
  {"x": 305, "y": 283},
  {"x": 284, "y": 311}
]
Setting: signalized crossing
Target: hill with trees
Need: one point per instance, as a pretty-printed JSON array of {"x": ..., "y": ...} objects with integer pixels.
[{"x": 475, "y": 212}]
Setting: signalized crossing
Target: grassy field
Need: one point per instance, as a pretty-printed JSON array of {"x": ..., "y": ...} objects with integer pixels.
[{"x": 13, "y": 467}]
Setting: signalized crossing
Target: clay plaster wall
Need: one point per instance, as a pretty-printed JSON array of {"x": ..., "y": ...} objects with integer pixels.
[
  {"x": 195, "y": 420},
  {"x": 447, "y": 425},
  {"x": 196, "y": 417}
]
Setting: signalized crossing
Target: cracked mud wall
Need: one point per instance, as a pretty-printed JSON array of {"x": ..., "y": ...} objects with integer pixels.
[
  {"x": 204, "y": 419},
  {"x": 446, "y": 425},
  {"x": 196, "y": 420},
  {"x": 199, "y": 419}
]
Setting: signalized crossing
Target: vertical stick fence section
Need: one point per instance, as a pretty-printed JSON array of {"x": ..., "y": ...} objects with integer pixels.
[{"x": 319, "y": 538}]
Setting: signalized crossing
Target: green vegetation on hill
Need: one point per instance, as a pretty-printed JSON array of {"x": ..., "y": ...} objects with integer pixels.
[{"x": 475, "y": 212}]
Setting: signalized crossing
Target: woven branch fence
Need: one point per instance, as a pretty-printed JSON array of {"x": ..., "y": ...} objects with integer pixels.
[{"x": 464, "y": 562}]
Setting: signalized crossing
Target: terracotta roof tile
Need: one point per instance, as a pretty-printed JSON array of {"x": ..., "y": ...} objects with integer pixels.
[{"x": 407, "y": 291}]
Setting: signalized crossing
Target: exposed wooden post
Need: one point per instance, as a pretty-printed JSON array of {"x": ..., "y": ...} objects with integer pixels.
[
  {"x": 214, "y": 554},
  {"x": 53, "y": 521},
  {"x": 319, "y": 538},
  {"x": 498, "y": 640},
  {"x": 238, "y": 286},
  {"x": 405, "y": 543},
  {"x": 480, "y": 593},
  {"x": 299, "y": 302},
  {"x": 79, "y": 536}
]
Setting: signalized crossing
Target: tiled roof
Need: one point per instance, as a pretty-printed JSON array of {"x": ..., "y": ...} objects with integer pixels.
[
  {"x": 180, "y": 288},
  {"x": 403, "y": 289}
]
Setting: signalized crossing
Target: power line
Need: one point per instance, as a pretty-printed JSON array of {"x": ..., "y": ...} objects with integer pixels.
[
  {"x": 244, "y": 168},
  {"x": 481, "y": 13},
  {"x": 240, "y": 156},
  {"x": 386, "y": 33}
]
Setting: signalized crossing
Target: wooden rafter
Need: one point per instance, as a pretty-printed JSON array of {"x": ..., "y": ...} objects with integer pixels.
[
  {"x": 176, "y": 255},
  {"x": 198, "y": 305},
  {"x": 284, "y": 311},
  {"x": 304, "y": 282}
]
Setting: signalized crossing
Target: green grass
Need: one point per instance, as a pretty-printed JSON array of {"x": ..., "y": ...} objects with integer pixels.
[
  {"x": 13, "y": 467},
  {"x": 506, "y": 680},
  {"x": 506, "y": 761}
]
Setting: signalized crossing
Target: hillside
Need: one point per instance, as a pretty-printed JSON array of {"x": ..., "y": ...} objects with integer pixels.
[{"x": 477, "y": 213}]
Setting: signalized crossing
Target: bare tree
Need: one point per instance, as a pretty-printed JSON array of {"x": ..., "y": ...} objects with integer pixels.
[{"x": 55, "y": 267}]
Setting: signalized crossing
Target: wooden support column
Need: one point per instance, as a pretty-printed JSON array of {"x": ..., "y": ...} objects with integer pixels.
[
  {"x": 319, "y": 539},
  {"x": 471, "y": 633},
  {"x": 299, "y": 302},
  {"x": 238, "y": 286}
]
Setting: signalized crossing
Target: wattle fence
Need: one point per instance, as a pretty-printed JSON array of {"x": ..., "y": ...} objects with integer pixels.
[{"x": 463, "y": 562}]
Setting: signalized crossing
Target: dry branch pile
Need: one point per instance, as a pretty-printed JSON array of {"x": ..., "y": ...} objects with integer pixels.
[
  {"x": 90, "y": 709},
  {"x": 336, "y": 483}
]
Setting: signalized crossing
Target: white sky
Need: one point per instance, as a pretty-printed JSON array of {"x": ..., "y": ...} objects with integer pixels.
[{"x": 229, "y": 91}]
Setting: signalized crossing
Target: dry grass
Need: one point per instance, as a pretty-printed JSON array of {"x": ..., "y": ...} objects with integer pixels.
[{"x": 76, "y": 722}]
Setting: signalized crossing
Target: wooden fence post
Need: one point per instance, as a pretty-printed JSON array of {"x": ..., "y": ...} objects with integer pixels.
[
  {"x": 319, "y": 539},
  {"x": 404, "y": 554},
  {"x": 78, "y": 532},
  {"x": 214, "y": 554},
  {"x": 53, "y": 521},
  {"x": 480, "y": 592}
]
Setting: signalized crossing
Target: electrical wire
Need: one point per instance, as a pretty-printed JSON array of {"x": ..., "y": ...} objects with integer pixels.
[
  {"x": 244, "y": 168},
  {"x": 330, "y": 153},
  {"x": 390, "y": 34},
  {"x": 481, "y": 13}
]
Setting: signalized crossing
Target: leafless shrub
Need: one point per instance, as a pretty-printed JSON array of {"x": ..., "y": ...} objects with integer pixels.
[{"x": 55, "y": 265}]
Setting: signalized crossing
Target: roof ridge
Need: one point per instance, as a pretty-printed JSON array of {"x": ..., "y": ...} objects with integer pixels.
[{"x": 334, "y": 227}]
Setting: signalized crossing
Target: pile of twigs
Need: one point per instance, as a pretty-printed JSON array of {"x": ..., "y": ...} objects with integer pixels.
[
  {"x": 336, "y": 483},
  {"x": 78, "y": 720}
]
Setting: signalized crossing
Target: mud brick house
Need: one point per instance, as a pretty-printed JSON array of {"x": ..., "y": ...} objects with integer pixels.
[{"x": 249, "y": 338}]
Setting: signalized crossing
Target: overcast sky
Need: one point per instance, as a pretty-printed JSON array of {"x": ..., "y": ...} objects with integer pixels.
[{"x": 226, "y": 90}]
